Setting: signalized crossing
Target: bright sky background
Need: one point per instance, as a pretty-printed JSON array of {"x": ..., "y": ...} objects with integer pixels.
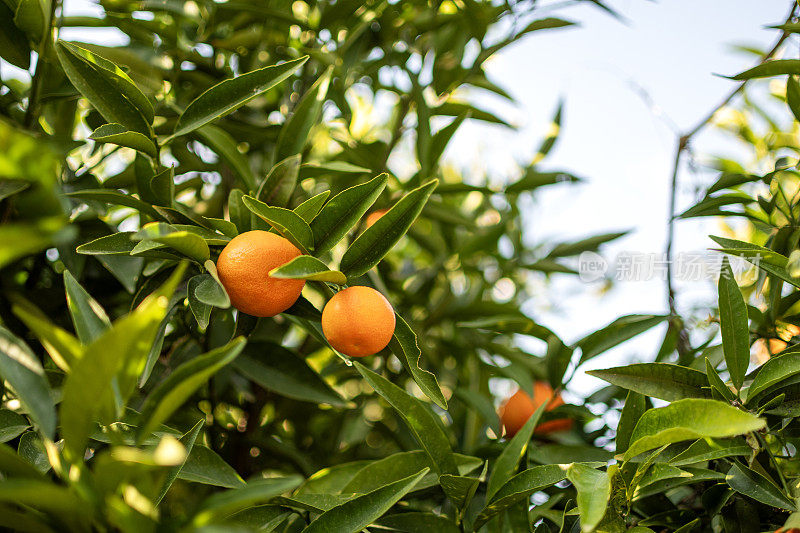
[{"x": 623, "y": 145}]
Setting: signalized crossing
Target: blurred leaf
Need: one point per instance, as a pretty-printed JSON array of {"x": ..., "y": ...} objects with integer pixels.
[
  {"x": 593, "y": 488},
  {"x": 229, "y": 95},
  {"x": 115, "y": 198},
  {"x": 88, "y": 316},
  {"x": 277, "y": 369},
  {"x": 31, "y": 448},
  {"x": 689, "y": 419},
  {"x": 308, "y": 267},
  {"x": 279, "y": 185},
  {"x": 586, "y": 245},
  {"x": 793, "y": 96},
  {"x": 358, "y": 513},
  {"x": 11, "y": 425},
  {"x": 13, "y": 42},
  {"x": 20, "y": 368},
  {"x": 506, "y": 464},
  {"x": 178, "y": 387},
  {"x": 422, "y": 423},
  {"x": 20, "y": 239},
  {"x": 63, "y": 347},
  {"x": 97, "y": 382},
  {"x": 483, "y": 405},
  {"x": 405, "y": 347},
  {"x": 617, "y": 332},
  {"x": 294, "y": 132},
  {"x": 286, "y": 222},
  {"x": 343, "y": 211},
  {"x": 733, "y": 325},
  {"x": 200, "y": 309},
  {"x": 754, "y": 485},
  {"x": 120, "y": 135},
  {"x": 659, "y": 380},
  {"x": 204, "y": 466},
  {"x": 533, "y": 179},
  {"x": 226, "y": 148},
  {"x": 368, "y": 249},
  {"x": 14, "y": 466},
  {"x": 9, "y": 188}
]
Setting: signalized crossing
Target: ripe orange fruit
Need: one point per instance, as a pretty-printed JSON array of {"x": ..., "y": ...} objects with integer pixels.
[
  {"x": 244, "y": 266},
  {"x": 520, "y": 407},
  {"x": 374, "y": 216},
  {"x": 358, "y": 321}
]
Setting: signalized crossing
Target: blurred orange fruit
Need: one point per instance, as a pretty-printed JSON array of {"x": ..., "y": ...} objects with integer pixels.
[
  {"x": 520, "y": 407},
  {"x": 358, "y": 321},
  {"x": 374, "y": 216},
  {"x": 244, "y": 266}
]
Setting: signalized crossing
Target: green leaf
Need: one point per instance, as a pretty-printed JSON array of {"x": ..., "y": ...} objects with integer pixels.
[
  {"x": 688, "y": 420},
  {"x": 793, "y": 96},
  {"x": 294, "y": 133},
  {"x": 767, "y": 260},
  {"x": 12, "y": 425},
  {"x": 229, "y": 95},
  {"x": 88, "y": 316},
  {"x": 284, "y": 221},
  {"x": 162, "y": 187},
  {"x": 120, "y": 135},
  {"x": 658, "y": 380},
  {"x": 734, "y": 326},
  {"x": 754, "y": 485},
  {"x": 9, "y": 187},
  {"x": 47, "y": 497},
  {"x": 107, "y": 88},
  {"x": 589, "y": 244},
  {"x": 239, "y": 215},
  {"x": 533, "y": 179},
  {"x": 25, "y": 375},
  {"x": 171, "y": 393},
  {"x": 188, "y": 440},
  {"x": 13, "y": 42},
  {"x": 506, "y": 464},
  {"x": 226, "y": 148},
  {"x": 773, "y": 372},
  {"x": 405, "y": 347},
  {"x": 369, "y": 248},
  {"x": 63, "y": 347},
  {"x": 200, "y": 310},
  {"x": 593, "y": 488},
  {"x": 356, "y": 514},
  {"x": 230, "y": 501},
  {"x": 204, "y": 466},
  {"x": 280, "y": 183},
  {"x": 520, "y": 487},
  {"x": 98, "y": 383},
  {"x": 635, "y": 406},
  {"x": 344, "y": 211},
  {"x": 717, "y": 384},
  {"x": 115, "y": 198},
  {"x": 421, "y": 421},
  {"x": 775, "y": 67},
  {"x": 277, "y": 369},
  {"x": 482, "y": 404},
  {"x": 309, "y": 209},
  {"x": 419, "y": 522},
  {"x": 308, "y": 267},
  {"x": 32, "y": 449},
  {"x": 188, "y": 243},
  {"x": 710, "y": 450},
  {"x": 114, "y": 244},
  {"x": 208, "y": 291},
  {"x": 20, "y": 239},
  {"x": 619, "y": 331},
  {"x": 14, "y": 466}
]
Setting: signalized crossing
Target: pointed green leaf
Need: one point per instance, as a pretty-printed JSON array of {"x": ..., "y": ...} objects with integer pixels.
[
  {"x": 284, "y": 221},
  {"x": 229, "y": 95},
  {"x": 733, "y": 325},
  {"x": 658, "y": 380},
  {"x": 369, "y": 248},
  {"x": 279, "y": 185},
  {"x": 344, "y": 211},
  {"x": 120, "y": 135},
  {"x": 294, "y": 133},
  {"x": 688, "y": 420},
  {"x": 635, "y": 406},
  {"x": 405, "y": 347},
  {"x": 89, "y": 318},
  {"x": 230, "y": 501},
  {"x": 308, "y": 267},
  {"x": 309, "y": 209},
  {"x": 593, "y": 488},
  {"x": 23, "y": 372},
  {"x": 754, "y": 485}
]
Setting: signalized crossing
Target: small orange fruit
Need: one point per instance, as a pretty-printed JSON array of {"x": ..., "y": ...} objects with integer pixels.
[
  {"x": 374, "y": 216},
  {"x": 244, "y": 266},
  {"x": 358, "y": 321},
  {"x": 520, "y": 407}
]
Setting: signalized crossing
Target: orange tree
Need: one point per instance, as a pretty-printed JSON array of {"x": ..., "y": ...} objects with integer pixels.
[{"x": 137, "y": 398}]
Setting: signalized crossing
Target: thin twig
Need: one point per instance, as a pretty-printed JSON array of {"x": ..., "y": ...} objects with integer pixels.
[
  {"x": 681, "y": 146},
  {"x": 41, "y": 61}
]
